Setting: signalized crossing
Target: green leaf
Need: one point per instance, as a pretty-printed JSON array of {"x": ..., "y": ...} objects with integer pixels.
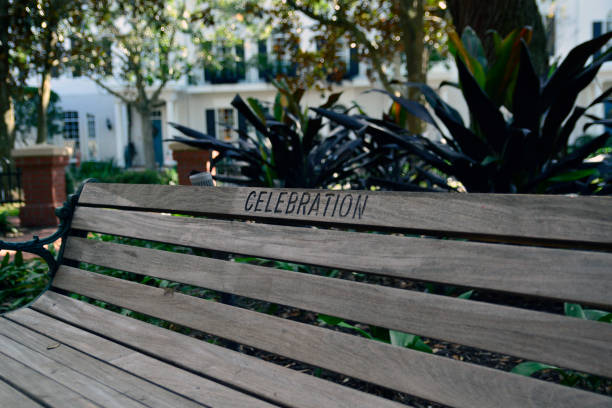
[
  {"x": 330, "y": 320},
  {"x": 278, "y": 108},
  {"x": 473, "y": 65},
  {"x": 501, "y": 73},
  {"x": 357, "y": 329},
  {"x": 18, "y": 259},
  {"x": 530, "y": 367},
  {"x": 574, "y": 310},
  {"x": 256, "y": 107},
  {"x": 5, "y": 261},
  {"x": 336, "y": 321},
  {"x": 599, "y": 315},
  {"x": 418, "y": 344},
  {"x": 606, "y": 319},
  {"x": 331, "y": 100},
  {"x": 246, "y": 259},
  {"x": 411, "y": 341},
  {"x": 466, "y": 295},
  {"x": 574, "y": 175},
  {"x": 473, "y": 45},
  {"x": 401, "y": 339},
  {"x": 380, "y": 333}
]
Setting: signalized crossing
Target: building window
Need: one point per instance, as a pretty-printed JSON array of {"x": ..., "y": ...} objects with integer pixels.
[
  {"x": 273, "y": 58},
  {"x": 70, "y": 130},
  {"x": 226, "y": 124},
  {"x": 71, "y": 125},
  {"x": 92, "y": 145},
  {"x": 91, "y": 126},
  {"x": 230, "y": 64}
]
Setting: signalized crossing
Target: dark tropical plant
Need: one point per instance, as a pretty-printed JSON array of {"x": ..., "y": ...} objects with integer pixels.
[
  {"x": 517, "y": 140},
  {"x": 288, "y": 149}
]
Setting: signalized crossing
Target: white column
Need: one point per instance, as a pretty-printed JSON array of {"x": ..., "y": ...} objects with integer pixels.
[
  {"x": 250, "y": 53},
  {"x": 119, "y": 133},
  {"x": 170, "y": 131},
  {"x": 83, "y": 137}
]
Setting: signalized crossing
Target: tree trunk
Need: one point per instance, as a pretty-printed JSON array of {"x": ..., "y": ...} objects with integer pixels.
[
  {"x": 7, "y": 114},
  {"x": 7, "y": 125},
  {"x": 502, "y": 16},
  {"x": 44, "y": 93},
  {"x": 147, "y": 137},
  {"x": 412, "y": 16}
]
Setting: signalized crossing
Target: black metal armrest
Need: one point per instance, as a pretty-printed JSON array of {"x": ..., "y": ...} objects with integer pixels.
[{"x": 37, "y": 245}]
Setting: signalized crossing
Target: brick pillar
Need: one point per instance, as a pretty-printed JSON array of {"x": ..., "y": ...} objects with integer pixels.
[
  {"x": 189, "y": 158},
  {"x": 43, "y": 178}
]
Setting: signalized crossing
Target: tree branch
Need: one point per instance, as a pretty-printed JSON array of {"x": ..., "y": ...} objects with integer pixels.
[
  {"x": 358, "y": 34},
  {"x": 109, "y": 90}
]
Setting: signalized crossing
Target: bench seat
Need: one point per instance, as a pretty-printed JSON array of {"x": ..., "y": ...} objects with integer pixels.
[{"x": 362, "y": 257}]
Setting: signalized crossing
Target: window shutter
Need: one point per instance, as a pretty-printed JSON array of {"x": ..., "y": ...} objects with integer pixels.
[
  {"x": 211, "y": 126},
  {"x": 597, "y": 28},
  {"x": 240, "y": 66},
  {"x": 353, "y": 68},
  {"x": 262, "y": 59},
  {"x": 208, "y": 70}
]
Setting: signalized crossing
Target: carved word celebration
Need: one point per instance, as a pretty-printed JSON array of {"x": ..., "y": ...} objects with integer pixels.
[{"x": 324, "y": 204}]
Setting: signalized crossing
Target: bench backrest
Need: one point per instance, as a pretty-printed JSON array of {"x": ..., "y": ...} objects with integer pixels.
[{"x": 544, "y": 249}]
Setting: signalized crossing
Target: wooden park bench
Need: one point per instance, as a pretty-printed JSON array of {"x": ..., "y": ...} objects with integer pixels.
[{"x": 63, "y": 351}]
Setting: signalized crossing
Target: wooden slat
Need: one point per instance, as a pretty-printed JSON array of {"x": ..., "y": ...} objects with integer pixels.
[
  {"x": 456, "y": 383},
  {"x": 63, "y": 373},
  {"x": 265, "y": 379},
  {"x": 38, "y": 386},
  {"x": 10, "y": 397},
  {"x": 520, "y": 218},
  {"x": 580, "y": 276},
  {"x": 564, "y": 341},
  {"x": 197, "y": 388},
  {"x": 377, "y": 305},
  {"x": 123, "y": 389}
]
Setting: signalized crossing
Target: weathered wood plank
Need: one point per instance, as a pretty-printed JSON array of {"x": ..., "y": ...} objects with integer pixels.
[
  {"x": 377, "y": 305},
  {"x": 261, "y": 378},
  {"x": 513, "y": 217},
  {"x": 10, "y": 397},
  {"x": 81, "y": 382},
  {"x": 126, "y": 389},
  {"x": 39, "y": 386},
  {"x": 580, "y": 276},
  {"x": 197, "y": 388},
  {"x": 560, "y": 340}
]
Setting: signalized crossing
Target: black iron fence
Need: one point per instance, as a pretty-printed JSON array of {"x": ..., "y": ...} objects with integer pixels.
[{"x": 10, "y": 184}]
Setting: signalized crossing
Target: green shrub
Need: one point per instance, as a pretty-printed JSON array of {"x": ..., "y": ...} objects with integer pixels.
[
  {"x": 5, "y": 225},
  {"x": 135, "y": 177},
  {"x": 108, "y": 172},
  {"x": 21, "y": 282}
]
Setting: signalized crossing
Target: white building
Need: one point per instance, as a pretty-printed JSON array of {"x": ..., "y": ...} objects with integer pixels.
[
  {"x": 577, "y": 21},
  {"x": 97, "y": 123}
]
